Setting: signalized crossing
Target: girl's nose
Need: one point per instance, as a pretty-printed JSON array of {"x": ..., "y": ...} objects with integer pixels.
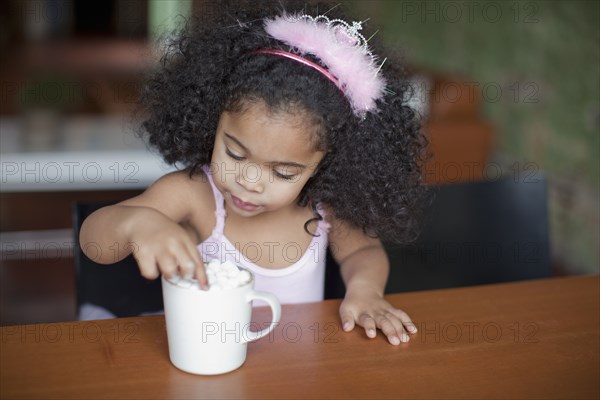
[{"x": 251, "y": 180}]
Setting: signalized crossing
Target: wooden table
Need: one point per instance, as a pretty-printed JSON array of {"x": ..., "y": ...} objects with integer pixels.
[{"x": 533, "y": 339}]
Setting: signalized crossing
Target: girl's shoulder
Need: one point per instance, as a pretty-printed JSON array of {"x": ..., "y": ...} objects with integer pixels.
[
  {"x": 184, "y": 185},
  {"x": 344, "y": 238},
  {"x": 181, "y": 194},
  {"x": 195, "y": 189}
]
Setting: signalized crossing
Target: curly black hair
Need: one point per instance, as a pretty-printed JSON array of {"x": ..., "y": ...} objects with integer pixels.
[{"x": 371, "y": 174}]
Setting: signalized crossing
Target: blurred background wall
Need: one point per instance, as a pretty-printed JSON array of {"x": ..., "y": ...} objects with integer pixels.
[{"x": 536, "y": 66}]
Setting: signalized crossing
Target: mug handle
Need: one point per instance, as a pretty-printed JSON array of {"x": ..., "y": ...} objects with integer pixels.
[{"x": 272, "y": 301}]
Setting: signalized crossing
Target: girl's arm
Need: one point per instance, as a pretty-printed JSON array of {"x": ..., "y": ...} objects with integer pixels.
[
  {"x": 364, "y": 268},
  {"x": 149, "y": 226}
]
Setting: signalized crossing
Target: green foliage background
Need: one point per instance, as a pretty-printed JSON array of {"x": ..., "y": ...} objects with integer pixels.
[{"x": 545, "y": 57}]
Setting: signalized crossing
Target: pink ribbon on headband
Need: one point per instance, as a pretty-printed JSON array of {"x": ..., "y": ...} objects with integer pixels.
[{"x": 304, "y": 61}]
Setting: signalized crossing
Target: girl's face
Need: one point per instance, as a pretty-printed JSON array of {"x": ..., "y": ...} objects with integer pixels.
[{"x": 261, "y": 161}]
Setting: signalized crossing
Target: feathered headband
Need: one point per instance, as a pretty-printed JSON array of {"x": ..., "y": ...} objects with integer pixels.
[{"x": 349, "y": 63}]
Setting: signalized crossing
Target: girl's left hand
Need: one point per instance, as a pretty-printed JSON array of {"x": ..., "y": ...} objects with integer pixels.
[{"x": 371, "y": 312}]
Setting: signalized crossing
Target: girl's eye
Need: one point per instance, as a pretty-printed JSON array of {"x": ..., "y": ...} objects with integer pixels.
[
  {"x": 232, "y": 155},
  {"x": 284, "y": 176}
]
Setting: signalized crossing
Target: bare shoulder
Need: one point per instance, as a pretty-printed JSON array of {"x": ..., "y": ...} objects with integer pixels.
[
  {"x": 345, "y": 239},
  {"x": 179, "y": 195}
]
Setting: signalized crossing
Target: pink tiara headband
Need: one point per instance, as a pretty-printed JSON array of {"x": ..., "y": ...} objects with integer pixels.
[{"x": 349, "y": 63}]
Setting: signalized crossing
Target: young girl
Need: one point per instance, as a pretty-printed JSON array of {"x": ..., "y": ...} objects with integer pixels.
[{"x": 293, "y": 137}]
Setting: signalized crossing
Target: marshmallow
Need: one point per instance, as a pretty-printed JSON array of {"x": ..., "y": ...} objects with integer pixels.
[{"x": 220, "y": 276}]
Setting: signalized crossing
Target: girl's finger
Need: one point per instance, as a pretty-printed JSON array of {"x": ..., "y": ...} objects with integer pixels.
[
  {"x": 191, "y": 251},
  {"x": 398, "y": 326},
  {"x": 185, "y": 263},
  {"x": 193, "y": 262},
  {"x": 410, "y": 327},
  {"x": 200, "y": 274},
  {"x": 347, "y": 319},
  {"x": 369, "y": 324},
  {"x": 405, "y": 319},
  {"x": 186, "y": 268},
  {"x": 178, "y": 261},
  {"x": 146, "y": 265},
  {"x": 390, "y": 329},
  {"x": 168, "y": 266}
]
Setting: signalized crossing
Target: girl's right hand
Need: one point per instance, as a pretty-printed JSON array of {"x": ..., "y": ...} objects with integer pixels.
[{"x": 162, "y": 246}]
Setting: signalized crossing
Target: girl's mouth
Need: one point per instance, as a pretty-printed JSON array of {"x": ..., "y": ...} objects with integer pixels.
[{"x": 243, "y": 205}]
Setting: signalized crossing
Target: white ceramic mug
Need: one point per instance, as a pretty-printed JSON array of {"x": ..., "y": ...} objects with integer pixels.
[{"x": 208, "y": 331}]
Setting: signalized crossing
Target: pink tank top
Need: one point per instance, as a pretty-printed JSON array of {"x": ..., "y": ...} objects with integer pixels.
[{"x": 301, "y": 282}]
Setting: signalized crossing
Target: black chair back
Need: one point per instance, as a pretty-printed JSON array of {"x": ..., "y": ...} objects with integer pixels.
[
  {"x": 473, "y": 234},
  {"x": 118, "y": 287}
]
